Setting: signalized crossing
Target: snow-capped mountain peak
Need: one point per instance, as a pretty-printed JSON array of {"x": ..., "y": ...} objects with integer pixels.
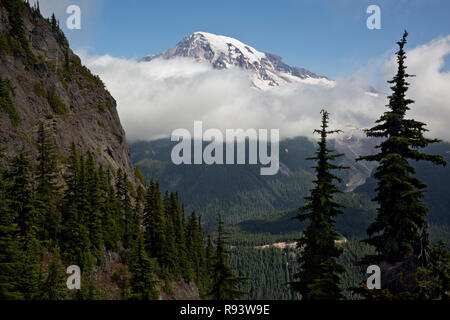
[
  {"x": 265, "y": 70},
  {"x": 222, "y": 45}
]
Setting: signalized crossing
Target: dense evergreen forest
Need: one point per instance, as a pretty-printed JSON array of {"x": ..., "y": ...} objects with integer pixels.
[
  {"x": 243, "y": 195},
  {"x": 45, "y": 227},
  {"x": 270, "y": 269},
  {"x": 268, "y": 279}
]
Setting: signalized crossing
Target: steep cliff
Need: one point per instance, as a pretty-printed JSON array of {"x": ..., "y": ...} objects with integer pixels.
[{"x": 43, "y": 80}]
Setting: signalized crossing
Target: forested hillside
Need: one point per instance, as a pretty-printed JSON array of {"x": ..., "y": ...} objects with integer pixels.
[
  {"x": 239, "y": 191},
  {"x": 270, "y": 269},
  {"x": 68, "y": 192},
  {"x": 242, "y": 194},
  {"x": 99, "y": 215}
]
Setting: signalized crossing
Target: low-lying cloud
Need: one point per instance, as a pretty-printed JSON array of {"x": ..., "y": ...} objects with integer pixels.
[{"x": 157, "y": 97}]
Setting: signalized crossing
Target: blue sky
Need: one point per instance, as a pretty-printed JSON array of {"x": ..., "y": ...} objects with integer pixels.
[{"x": 328, "y": 37}]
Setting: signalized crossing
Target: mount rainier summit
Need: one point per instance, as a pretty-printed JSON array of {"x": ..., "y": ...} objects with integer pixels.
[{"x": 265, "y": 70}]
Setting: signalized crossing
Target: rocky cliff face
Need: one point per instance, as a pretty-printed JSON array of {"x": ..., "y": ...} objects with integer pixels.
[{"x": 43, "y": 80}]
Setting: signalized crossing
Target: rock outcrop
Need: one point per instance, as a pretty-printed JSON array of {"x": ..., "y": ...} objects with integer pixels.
[{"x": 46, "y": 82}]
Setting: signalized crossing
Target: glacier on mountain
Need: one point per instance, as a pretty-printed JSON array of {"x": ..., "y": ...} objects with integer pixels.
[{"x": 265, "y": 70}]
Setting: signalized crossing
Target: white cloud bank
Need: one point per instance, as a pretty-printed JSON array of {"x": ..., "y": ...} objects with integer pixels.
[{"x": 157, "y": 97}]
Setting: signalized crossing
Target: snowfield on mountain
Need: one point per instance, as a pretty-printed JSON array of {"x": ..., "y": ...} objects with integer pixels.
[{"x": 265, "y": 70}]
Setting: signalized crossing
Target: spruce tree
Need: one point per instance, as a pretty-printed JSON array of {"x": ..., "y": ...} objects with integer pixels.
[
  {"x": 126, "y": 209},
  {"x": 15, "y": 18},
  {"x": 95, "y": 213},
  {"x": 15, "y": 11},
  {"x": 20, "y": 193},
  {"x": 54, "y": 23},
  {"x": 82, "y": 192},
  {"x": 88, "y": 290},
  {"x": 170, "y": 252},
  {"x": 224, "y": 283},
  {"x": 395, "y": 233},
  {"x": 193, "y": 245},
  {"x": 210, "y": 256},
  {"x": 138, "y": 212},
  {"x": 72, "y": 178},
  {"x": 143, "y": 284},
  {"x": 9, "y": 245},
  {"x": 200, "y": 247},
  {"x": 47, "y": 190},
  {"x": 76, "y": 244},
  {"x": 154, "y": 222},
  {"x": 111, "y": 208},
  {"x": 434, "y": 278},
  {"x": 54, "y": 287},
  {"x": 180, "y": 238},
  {"x": 70, "y": 225},
  {"x": 28, "y": 273},
  {"x": 319, "y": 274}
]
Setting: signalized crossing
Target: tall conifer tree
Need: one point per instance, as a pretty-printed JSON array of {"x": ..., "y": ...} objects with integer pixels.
[
  {"x": 96, "y": 201},
  {"x": 9, "y": 245},
  {"x": 111, "y": 209},
  {"x": 224, "y": 282},
  {"x": 154, "y": 222},
  {"x": 210, "y": 256},
  {"x": 170, "y": 252},
  {"x": 20, "y": 193},
  {"x": 193, "y": 237},
  {"x": 49, "y": 217},
  {"x": 126, "y": 209},
  {"x": 180, "y": 238},
  {"x": 54, "y": 286},
  {"x": 319, "y": 276},
  {"x": 143, "y": 284},
  {"x": 396, "y": 231},
  {"x": 76, "y": 243}
]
